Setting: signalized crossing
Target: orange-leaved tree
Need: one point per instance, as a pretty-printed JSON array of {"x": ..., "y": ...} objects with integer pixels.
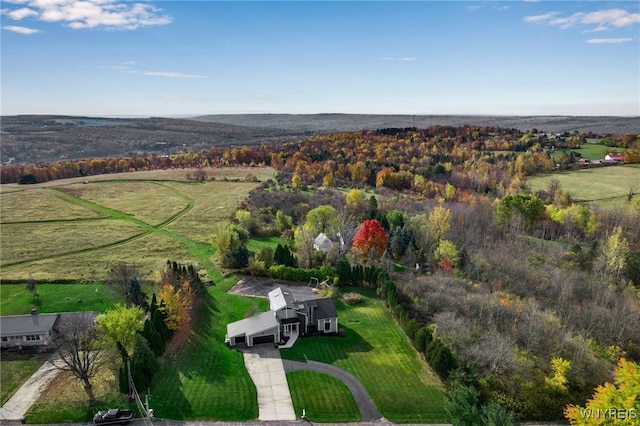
[{"x": 370, "y": 236}]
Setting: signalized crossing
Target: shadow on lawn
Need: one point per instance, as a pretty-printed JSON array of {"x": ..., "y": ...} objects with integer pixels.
[{"x": 328, "y": 348}]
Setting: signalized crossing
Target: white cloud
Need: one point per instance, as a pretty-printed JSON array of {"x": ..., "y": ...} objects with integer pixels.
[
  {"x": 391, "y": 58},
  {"x": 601, "y": 19},
  {"x": 540, "y": 18},
  {"x": 168, "y": 74},
  {"x": 79, "y": 14},
  {"x": 18, "y": 14},
  {"x": 20, "y": 30},
  {"x": 608, "y": 40}
]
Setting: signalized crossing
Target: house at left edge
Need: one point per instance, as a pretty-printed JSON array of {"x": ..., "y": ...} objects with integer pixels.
[
  {"x": 287, "y": 317},
  {"x": 34, "y": 329}
]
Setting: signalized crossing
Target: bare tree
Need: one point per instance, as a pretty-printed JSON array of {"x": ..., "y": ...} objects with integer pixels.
[
  {"x": 120, "y": 278},
  {"x": 75, "y": 339}
]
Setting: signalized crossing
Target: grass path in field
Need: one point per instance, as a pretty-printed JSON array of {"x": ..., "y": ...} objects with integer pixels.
[
  {"x": 377, "y": 351},
  {"x": 114, "y": 214}
]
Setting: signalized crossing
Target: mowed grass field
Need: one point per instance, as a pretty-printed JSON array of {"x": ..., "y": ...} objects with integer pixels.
[
  {"x": 71, "y": 230},
  {"x": 329, "y": 401},
  {"x": 206, "y": 379},
  {"x": 15, "y": 299},
  {"x": 378, "y": 352},
  {"x": 606, "y": 186}
]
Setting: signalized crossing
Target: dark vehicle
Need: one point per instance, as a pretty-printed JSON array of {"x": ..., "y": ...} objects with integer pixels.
[{"x": 113, "y": 416}]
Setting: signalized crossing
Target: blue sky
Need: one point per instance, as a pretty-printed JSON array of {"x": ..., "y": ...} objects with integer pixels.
[{"x": 167, "y": 58}]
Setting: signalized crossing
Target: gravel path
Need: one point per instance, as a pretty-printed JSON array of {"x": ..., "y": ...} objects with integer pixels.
[{"x": 368, "y": 410}]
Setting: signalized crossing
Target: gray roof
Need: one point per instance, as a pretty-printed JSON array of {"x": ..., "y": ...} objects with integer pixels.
[
  {"x": 17, "y": 325},
  {"x": 279, "y": 298},
  {"x": 253, "y": 325},
  {"x": 326, "y": 308},
  {"x": 322, "y": 243}
]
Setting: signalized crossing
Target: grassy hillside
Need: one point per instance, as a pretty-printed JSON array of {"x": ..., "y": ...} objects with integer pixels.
[{"x": 606, "y": 186}]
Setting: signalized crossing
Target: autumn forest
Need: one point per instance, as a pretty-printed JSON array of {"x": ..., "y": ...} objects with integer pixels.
[{"x": 533, "y": 295}]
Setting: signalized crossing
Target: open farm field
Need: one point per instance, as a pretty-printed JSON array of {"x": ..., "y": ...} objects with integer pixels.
[
  {"x": 592, "y": 151},
  {"x": 150, "y": 202},
  {"x": 216, "y": 201},
  {"x": 606, "y": 186},
  {"x": 595, "y": 152},
  {"x": 25, "y": 242},
  {"x": 149, "y": 253},
  {"x": 145, "y": 218},
  {"x": 377, "y": 351},
  {"x": 27, "y": 204}
]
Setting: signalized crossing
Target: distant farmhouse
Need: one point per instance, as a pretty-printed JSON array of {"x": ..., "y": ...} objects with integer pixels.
[
  {"x": 32, "y": 330},
  {"x": 287, "y": 317},
  {"x": 613, "y": 157}
]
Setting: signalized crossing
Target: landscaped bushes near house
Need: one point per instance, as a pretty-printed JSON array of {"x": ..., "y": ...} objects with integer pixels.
[{"x": 352, "y": 298}]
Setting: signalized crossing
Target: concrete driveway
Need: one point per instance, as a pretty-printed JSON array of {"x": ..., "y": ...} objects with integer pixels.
[
  {"x": 18, "y": 405},
  {"x": 264, "y": 365}
]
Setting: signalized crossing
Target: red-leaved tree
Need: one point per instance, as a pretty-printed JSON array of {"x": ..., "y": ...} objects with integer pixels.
[{"x": 370, "y": 235}]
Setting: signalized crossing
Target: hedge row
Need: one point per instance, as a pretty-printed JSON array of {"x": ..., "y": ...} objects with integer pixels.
[{"x": 287, "y": 273}]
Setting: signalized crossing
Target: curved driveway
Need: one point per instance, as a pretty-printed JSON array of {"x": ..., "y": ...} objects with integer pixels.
[{"x": 368, "y": 410}]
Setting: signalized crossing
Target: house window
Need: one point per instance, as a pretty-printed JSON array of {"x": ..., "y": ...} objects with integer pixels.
[
  {"x": 327, "y": 325},
  {"x": 5, "y": 339},
  {"x": 32, "y": 337}
]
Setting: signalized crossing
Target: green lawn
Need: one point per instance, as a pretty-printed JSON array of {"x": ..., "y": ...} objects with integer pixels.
[
  {"x": 330, "y": 401},
  {"x": 377, "y": 351},
  {"x": 255, "y": 244},
  {"x": 593, "y": 151},
  {"x": 206, "y": 379},
  {"x": 15, "y": 299}
]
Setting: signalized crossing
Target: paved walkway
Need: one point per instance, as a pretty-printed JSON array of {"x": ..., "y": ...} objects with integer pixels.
[
  {"x": 264, "y": 365},
  {"x": 368, "y": 410},
  {"x": 18, "y": 405}
]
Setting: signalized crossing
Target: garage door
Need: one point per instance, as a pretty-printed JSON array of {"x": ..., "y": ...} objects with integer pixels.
[{"x": 264, "y": 339}]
